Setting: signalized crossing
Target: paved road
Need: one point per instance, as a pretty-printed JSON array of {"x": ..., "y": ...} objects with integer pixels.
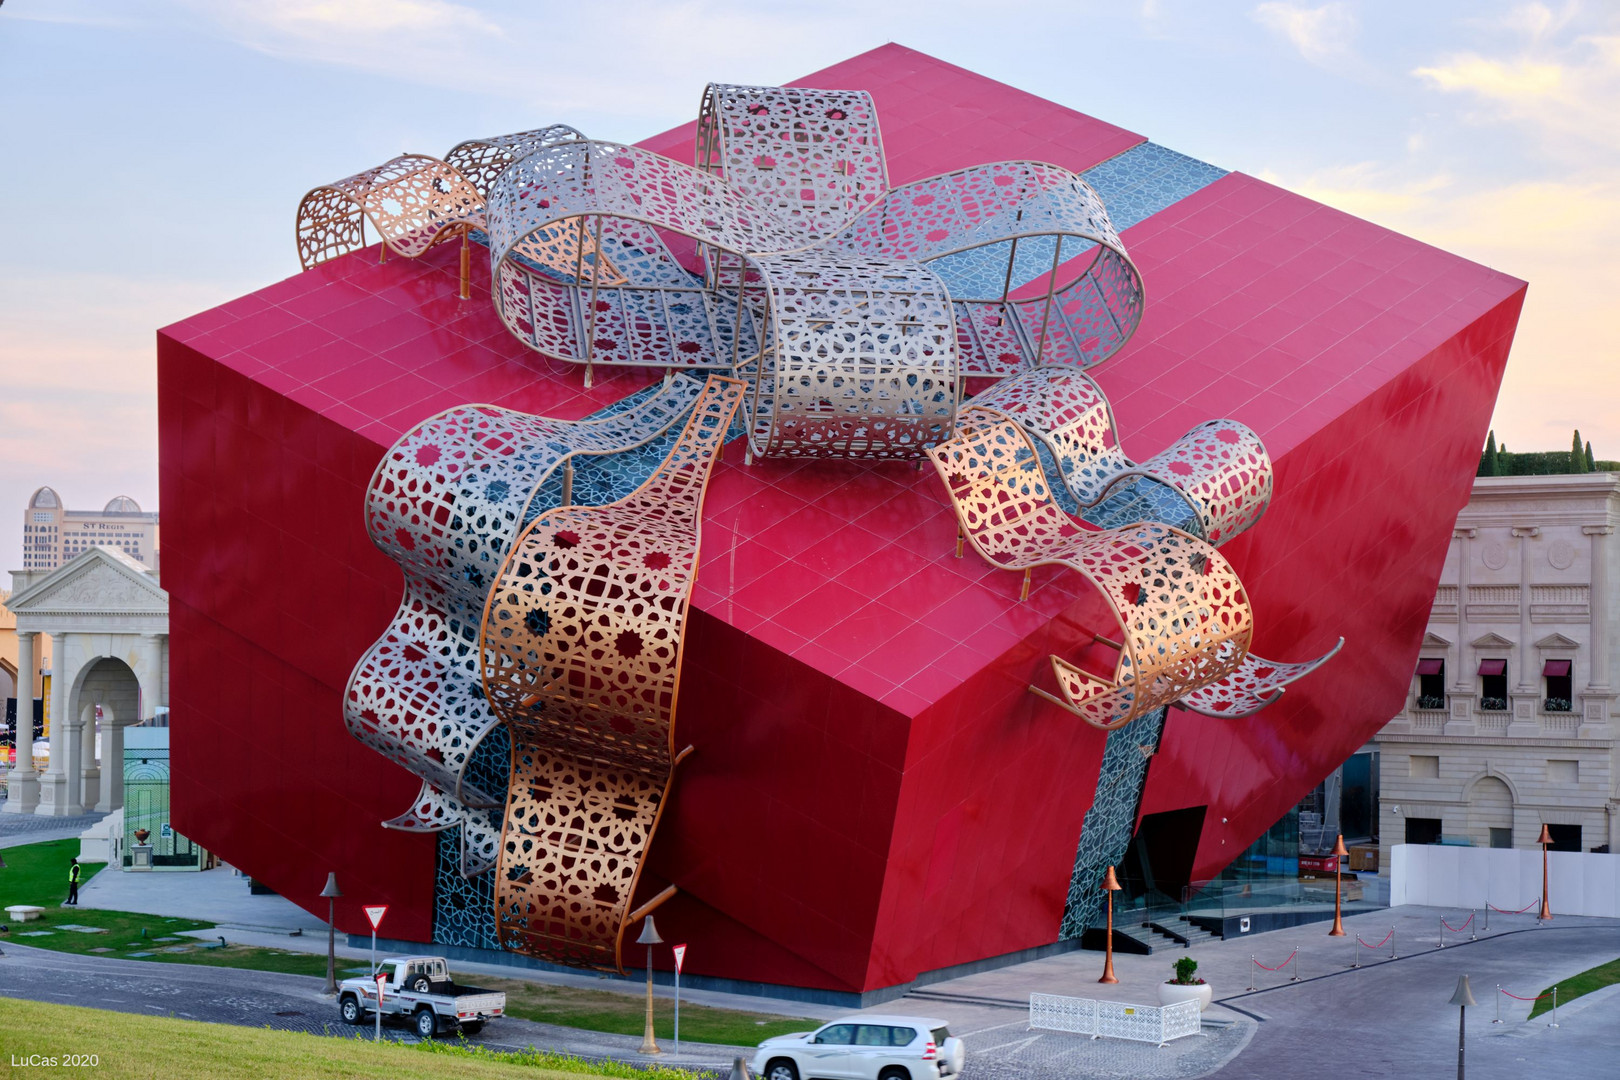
[
  {"x": 267, "y": 999},
  {"x": 1392, "y": 1019}
]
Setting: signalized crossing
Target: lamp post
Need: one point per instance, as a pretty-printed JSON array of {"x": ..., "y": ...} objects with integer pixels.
[
  {"x": 649, "y": 937},
  {"x": 1544, "y": 840},
  {"x": 331, "y": 892},
  {"x": 1339, "y": 853},
  {"x": 1463, "y": 998},
  {"x": 1110, "y": 887}
]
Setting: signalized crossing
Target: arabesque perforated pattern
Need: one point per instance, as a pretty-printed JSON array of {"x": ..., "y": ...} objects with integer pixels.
[
  {"x": 582, "y": 645},
  {"x": 413, "y": 201},
  {"x": 445, "y": 503},
  {"x": 814, "y": 157}
]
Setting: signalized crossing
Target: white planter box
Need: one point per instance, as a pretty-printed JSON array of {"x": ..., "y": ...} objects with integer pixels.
[{"x": 1170, "y": 993}]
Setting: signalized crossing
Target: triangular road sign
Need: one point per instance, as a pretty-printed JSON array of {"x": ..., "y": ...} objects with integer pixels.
[{"x": 376, "y": 913}]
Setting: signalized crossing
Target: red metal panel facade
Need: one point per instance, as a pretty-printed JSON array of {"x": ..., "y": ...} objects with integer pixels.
[{"x": 873, "y": 794}]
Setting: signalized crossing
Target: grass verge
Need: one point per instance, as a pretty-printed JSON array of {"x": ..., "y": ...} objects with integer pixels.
[
  {"x": 624, "y": 1014},
  {"x": 134, "y": 1047},
  {"x": 1584, "y": 983},
  {"x": 37, "y": 874}
]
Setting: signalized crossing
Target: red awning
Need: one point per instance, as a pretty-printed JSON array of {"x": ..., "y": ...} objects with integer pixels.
[
  {"x": 1555, "y": 667},
  {"x": 1493, "y": 667},
  {"x": 1430, "y": 667}
]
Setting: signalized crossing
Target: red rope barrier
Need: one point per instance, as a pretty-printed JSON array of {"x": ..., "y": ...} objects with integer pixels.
[
  {"x": 1521, "y": 911},
  {"x": 1457, "y": 929},
  {"x": 1381, "y": 944},
  {"x": 1280, "y": 966},
  {"x": 1516, "y": 997}
]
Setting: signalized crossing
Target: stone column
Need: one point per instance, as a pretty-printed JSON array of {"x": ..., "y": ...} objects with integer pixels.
[
  {"x": 89, "y": 767},
  {"x": 22, "y": 795},
  {"x": 151, "y": 675},
  {"x": 111, "y": 796},
  {"x": 54, "y": 797},
  {"x": 1597, "y": 668},
  {"x": 1462, "y": 680},
  {"x": 1526, "y": 647}
]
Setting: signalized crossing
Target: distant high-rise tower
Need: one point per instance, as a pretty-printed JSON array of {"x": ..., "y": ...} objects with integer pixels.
[{"x": 53, "y": 535}]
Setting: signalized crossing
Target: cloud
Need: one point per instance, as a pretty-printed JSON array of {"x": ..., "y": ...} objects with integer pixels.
[
  {"x": 1510, "y": 81},
  {"x": 1561, "y": 87},
  {"x": 1561, "y": 235},
  {"x": 1320, "y": 33}
]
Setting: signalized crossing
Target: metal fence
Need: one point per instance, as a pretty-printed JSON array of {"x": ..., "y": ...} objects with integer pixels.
[{"x": 1114, "y": 1019}]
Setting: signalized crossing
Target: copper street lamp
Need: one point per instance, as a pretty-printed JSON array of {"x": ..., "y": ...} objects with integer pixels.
[
  {"x": 1544, "y": 840},
  {"x": 331, "y": 892},
  {"x": 1339, "y": 853},
  {"x": 1110, "y": 887},
  {"x": 649, "y": 937}
]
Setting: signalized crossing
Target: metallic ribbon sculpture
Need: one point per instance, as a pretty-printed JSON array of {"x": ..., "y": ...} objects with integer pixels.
[
  {"x": 854, "y": 311},
  {"x": 1186, "y": 620},
  {"x": 445, "y": 503},
  {"x": 850, "y": 316},
  {"x": 582, "y": 650}
]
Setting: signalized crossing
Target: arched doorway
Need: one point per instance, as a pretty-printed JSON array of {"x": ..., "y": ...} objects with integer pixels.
[
  {"x": 107, "y": 698},
  {"x": 1490, "y": 812}
]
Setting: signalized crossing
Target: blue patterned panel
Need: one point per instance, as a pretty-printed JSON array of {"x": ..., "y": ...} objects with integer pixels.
[
  {"x": 1106, "y": 832},
  {"x": 1145, "y": 179}
]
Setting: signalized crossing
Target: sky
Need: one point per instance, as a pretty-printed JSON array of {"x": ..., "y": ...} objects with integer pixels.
[{"x": 154, "y": 153}]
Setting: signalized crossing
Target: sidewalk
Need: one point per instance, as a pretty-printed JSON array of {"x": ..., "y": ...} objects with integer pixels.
[{"x": 217, "y": 896}]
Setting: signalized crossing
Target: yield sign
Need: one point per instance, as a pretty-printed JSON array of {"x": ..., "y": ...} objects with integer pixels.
[
  {"x": 680, "y": 955},
  {"x": 376, "y": 913}
]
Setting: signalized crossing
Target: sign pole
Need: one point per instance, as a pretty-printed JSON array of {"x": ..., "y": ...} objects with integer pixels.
[
  {"x": 680, "y": 957},
  {"x": 373, "y": 950},
  {"x": 380, "y": 978}
]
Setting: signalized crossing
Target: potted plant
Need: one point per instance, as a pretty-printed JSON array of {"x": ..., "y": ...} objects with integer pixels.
[{"x": 1186, "y": 986}]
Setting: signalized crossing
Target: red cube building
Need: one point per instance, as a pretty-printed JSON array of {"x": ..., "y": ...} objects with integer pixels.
[{"x": 874, "y": 794}]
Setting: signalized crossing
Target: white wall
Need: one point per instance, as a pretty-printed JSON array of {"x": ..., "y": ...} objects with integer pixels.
[{"x": 1435, "y": 875}]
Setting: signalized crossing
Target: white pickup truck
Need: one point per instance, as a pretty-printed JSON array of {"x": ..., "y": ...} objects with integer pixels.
[{"x": 419, "y": 989}]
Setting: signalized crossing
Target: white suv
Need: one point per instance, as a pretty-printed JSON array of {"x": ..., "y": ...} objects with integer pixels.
[{"x": 863, "y": 1048}]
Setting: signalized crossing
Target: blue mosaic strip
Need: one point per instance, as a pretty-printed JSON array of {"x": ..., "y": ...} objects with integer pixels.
[
  {"x": 1109, "y": 824},
  {"x": 1146, "y": 179},
  {"x": 1134, "y": 186}
]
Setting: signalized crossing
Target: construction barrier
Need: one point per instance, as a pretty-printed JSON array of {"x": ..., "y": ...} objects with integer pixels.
[{"x": 1114, "y": 1019}]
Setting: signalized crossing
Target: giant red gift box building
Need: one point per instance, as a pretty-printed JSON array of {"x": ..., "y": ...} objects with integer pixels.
[{"x": 874, "y": 794}]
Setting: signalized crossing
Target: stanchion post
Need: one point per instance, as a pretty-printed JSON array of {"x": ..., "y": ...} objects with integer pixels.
[
  {"x": 1297, "y": 962},
  {"x": 1544, "y": 840},
  {"x": 1355, "y": 948},
  {"x": 1392, "y": 955},
  {"x": 1473, "y": 927},
  {"x": 1442, "y": 933},
  {"x": 1555, "y": 1008},
  {"x": 1498, "y": 1019},
  {"x": 1251, "y": 971},
  {"x": 1487, "y": 915}
]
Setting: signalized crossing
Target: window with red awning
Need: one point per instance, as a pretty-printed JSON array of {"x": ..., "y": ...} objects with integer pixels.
[{"x": 1493, "y": 667}]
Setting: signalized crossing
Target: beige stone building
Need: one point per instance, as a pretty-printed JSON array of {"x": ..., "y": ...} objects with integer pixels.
[
  {"x": 1509, "y": 722},
  {"x": 54, "y": 535},
  {"x": 106, "y": 620}
]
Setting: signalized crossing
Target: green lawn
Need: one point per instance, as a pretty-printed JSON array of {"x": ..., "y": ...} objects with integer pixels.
[
  {"x": 1584, "y": 983},
  {"x": 37, "y": 874},
  {"x": 134, "y": 1047},
  {"x": 606, "y": 1010}
]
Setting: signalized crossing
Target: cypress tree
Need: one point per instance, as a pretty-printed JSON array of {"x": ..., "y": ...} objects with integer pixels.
[
  {"x": 1489, "y": 466},
  {"x": 1591, "y": 462},
  {"x": 1577, "y": 455}
]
